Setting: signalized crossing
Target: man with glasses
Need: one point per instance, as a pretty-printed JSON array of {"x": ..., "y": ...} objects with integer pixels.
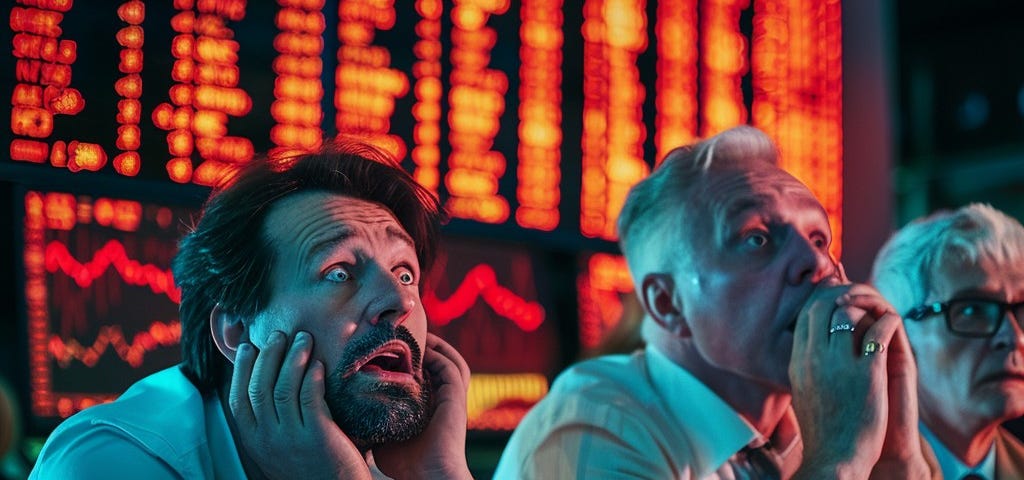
[{"x": 958, "y": 278}]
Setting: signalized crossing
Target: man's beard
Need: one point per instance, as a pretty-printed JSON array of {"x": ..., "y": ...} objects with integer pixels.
[{"x": 374, "y": 413}]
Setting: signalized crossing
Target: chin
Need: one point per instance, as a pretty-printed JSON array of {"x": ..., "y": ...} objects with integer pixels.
[{"x": 1014, "y": 406}]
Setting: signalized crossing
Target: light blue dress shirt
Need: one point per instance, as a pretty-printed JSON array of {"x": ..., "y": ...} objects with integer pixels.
[
  {"x": 160, "y": 428},
  {"x": 631, "y": 416}
]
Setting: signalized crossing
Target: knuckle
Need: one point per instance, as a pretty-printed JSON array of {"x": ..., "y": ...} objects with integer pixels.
[
  {"x": 308, "y": 399},
  {"x": 257, "y": 396},
  {"x": 283, "y": 394}
]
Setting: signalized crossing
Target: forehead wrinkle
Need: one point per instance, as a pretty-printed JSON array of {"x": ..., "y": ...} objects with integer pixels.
[
  {"x": 322, "y": 244},
  {"x": 739, "y": 192},
  {"x": 397, "y": 233}
]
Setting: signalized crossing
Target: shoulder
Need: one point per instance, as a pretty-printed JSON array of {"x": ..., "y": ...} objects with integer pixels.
[
  {"x": 611, "y": 385},
  {"x": 601, "y": 415},
  {"x": 157, "y": 425},
  {"x": 81, "y": 450}
]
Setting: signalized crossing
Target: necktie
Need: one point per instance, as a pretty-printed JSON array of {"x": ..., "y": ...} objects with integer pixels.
[{"x": 756, "y": 463}]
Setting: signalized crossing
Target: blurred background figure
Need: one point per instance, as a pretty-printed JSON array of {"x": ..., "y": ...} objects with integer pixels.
[
  {"x": 13, "y": 464},
  {"x": 957, "y": 277}
]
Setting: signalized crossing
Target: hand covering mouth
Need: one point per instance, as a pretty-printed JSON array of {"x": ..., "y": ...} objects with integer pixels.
[{"x": 394, "y": 356}]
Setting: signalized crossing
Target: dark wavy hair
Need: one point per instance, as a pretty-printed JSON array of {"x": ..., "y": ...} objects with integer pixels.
[{"x": 226, "y": 257}]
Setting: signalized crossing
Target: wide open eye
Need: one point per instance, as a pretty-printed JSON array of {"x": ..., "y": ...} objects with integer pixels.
[
  {"x": 405, "y": 276},
  {"x": 756, "y": 239},
  {"x": 337, "y": 274}
]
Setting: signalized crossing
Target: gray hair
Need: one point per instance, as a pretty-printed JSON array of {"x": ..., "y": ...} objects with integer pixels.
[
  {"x": 658, "y": 207},
  {"x": 905, "y": 265}
]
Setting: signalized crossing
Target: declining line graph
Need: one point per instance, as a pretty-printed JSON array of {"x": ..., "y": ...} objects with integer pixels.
[
  {"x": 482, "y": 282},
  {"x": 159, "y": 280},
  {"x": 102, "y": 306}
]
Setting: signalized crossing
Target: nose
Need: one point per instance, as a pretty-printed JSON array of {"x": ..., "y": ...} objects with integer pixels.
[
  {"x": 1010, "y": 334},
  {"x": 390, "y": 300},
  {"x": 808, "y": 263}
]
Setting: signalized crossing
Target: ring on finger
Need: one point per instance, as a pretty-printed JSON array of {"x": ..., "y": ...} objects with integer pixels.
[
  {"x": 842, "y": 327},
  {"x": 872, "y": 347}
]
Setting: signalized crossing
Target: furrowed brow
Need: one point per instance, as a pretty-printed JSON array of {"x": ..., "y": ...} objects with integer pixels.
[
  {"x": 396, "y": 233},
  {"x": 328, "y": 243}
]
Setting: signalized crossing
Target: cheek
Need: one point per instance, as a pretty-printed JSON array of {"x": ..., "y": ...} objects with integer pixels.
[
  {"x": 330, "y": 339},
  {"x": 945, "y": 365}
]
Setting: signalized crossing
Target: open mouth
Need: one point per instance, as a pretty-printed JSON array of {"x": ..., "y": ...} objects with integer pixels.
[{"x": 393, "y": 357}]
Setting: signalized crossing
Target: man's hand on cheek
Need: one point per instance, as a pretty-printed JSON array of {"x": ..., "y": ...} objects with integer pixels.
[
  {"x": 440, "y": 450},
  {"x": 284, "y": 425}
]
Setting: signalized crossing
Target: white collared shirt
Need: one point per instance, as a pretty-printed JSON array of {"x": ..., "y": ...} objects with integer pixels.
[
  {"x": 951, "y": 466},
  {"x": 629, "y": 416}
]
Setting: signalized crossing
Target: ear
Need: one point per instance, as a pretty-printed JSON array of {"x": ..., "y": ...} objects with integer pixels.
[
  {"x": 228, "y": 331},
  {"x": 658, "y": 295}
]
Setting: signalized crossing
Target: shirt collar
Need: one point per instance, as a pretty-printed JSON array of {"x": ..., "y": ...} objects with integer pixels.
[
  {"x": 951, "y": 466},
  {"x": 701, "y": 413},
  {"x": 226, "y": 457}
]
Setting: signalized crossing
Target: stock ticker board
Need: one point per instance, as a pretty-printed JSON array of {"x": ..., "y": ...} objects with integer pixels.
[{"x": 528, "y": 119}]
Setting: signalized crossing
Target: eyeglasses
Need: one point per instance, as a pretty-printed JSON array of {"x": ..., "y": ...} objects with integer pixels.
[{"x": 971, "y": 317}]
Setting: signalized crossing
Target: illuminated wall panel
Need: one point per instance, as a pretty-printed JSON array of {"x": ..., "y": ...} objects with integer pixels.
[
  {"x": 723, "y": 64},
  {"x": 601, "y": 286},
  {"x": 797, "y": 80},
  {"x": 366, "y": 84},
  {"x": 476, "y": 102},
  {"x": 43, "y": 62},
  {"x": 426, "y": 155},
  {"x": 472, "y": 91},
  {"x": 297, "y": 88},
  {"x": 205, "y": 94},
  {"x": 498, "y": 402},
  {"x": 129, "y": 109},
  {"x": 102, "y": 306},
  {"x": 540, "y": 114},
  {"x": 614, "y": 34},
  {"x": 675, "y": 89},
  {"x": 489, "y": 300}
]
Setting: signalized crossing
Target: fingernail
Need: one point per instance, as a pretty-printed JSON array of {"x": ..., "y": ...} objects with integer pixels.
[
  {"x": 301, "y": 339},
  {"x": 244, "y": 348},
  {"x": 275, "y": 337}
]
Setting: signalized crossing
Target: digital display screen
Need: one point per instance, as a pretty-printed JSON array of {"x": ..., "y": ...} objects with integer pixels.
[
  {"x": 530, "y": 120},
  {"x": 102, "y": 306}
]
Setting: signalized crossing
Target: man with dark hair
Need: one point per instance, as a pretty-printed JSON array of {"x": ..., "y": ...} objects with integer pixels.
[
  {"x": 959, "y": 278},
  {"x": 305, "y": 344},
  {"x": 758, "y": 363}
]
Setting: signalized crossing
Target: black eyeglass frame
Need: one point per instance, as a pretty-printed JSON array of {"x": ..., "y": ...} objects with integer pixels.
[{"x": 918, "y": 314}]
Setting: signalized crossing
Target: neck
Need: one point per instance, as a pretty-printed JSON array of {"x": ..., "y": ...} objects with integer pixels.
[
  {"x": 969, "y": 445},
  {"x": 761, "y": 404}
]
